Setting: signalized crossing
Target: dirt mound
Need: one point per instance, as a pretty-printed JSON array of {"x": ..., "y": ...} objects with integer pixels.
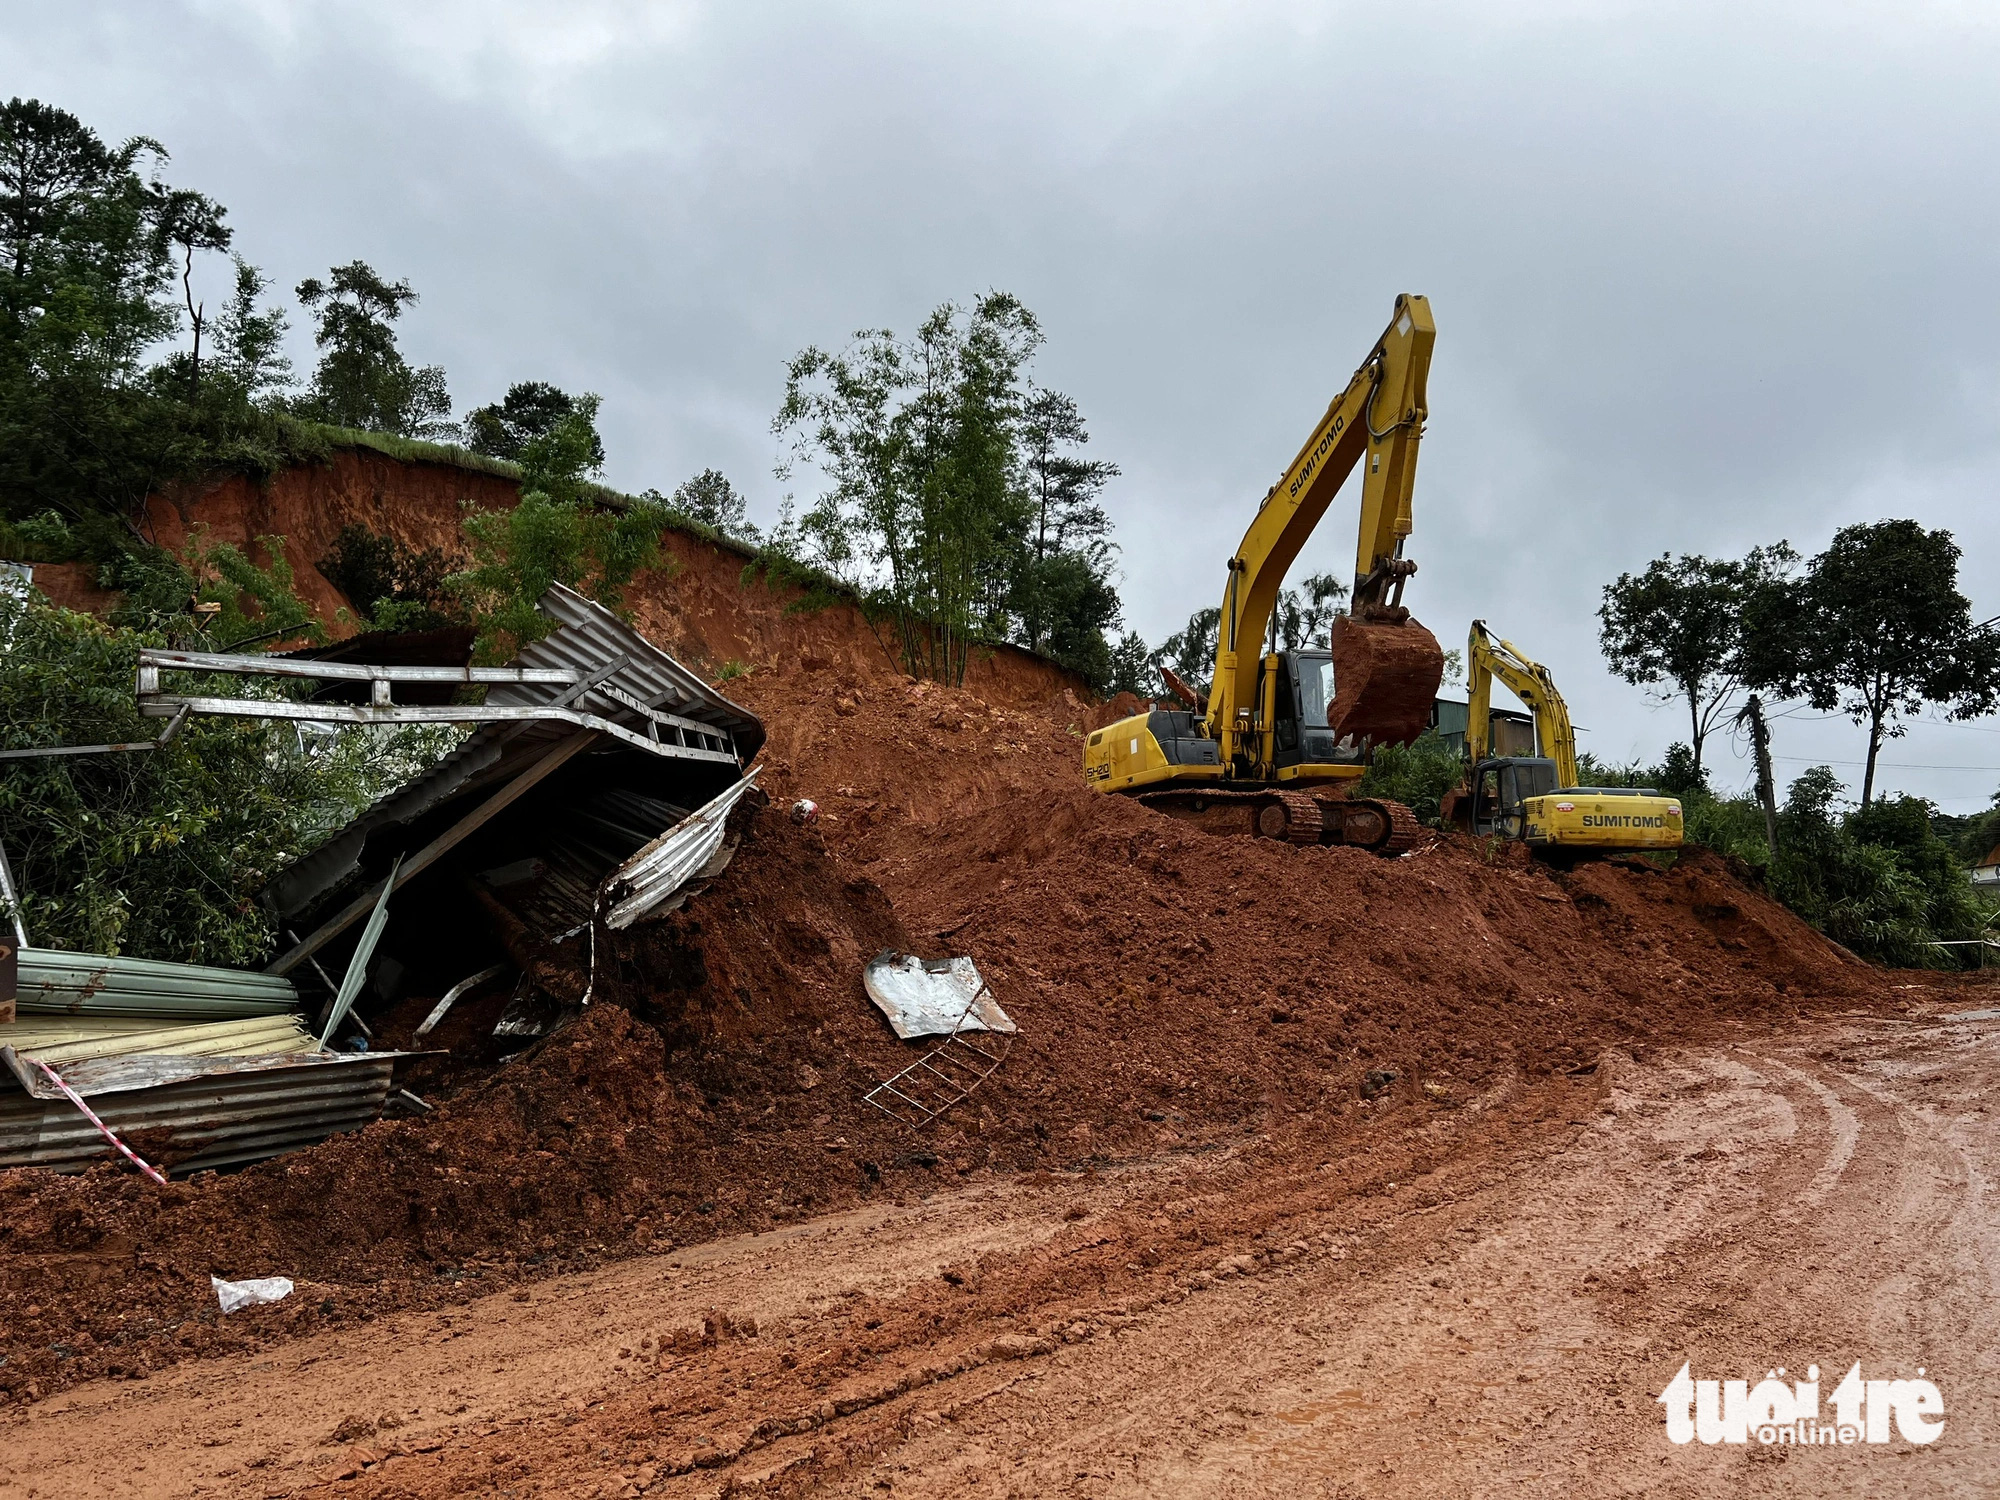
[
  {"x": 956, "y": 806},
  {"x": 898, "y": 766},
  {"x": 1173, "y": 988},
  {"x": 611, "y": 1137}
]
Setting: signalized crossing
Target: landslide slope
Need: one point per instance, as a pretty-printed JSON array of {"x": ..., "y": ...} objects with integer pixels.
[{"x": 1175, "y": 990}]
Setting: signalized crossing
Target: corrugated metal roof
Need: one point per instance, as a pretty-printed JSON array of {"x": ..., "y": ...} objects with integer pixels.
[
  {"x": 59, "y": 1043},
  {"x": 58, "y": 983},
  {"x": 236, "y": 1112},
  {"x": 53, "y": 1029},
  {"x": 671, "y": 860},
  {"x": 588, "y": 637}
]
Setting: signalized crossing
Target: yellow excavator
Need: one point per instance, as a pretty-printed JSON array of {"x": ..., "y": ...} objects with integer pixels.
[
  {"x": 1281, "y": 736},
  {"x": 1535, "y": 798}
]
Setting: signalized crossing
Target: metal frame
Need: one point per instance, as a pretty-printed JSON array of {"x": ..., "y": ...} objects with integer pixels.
[
  {"x": 943, "y": 1077},
  {"x": 165, "y": 735},
  {"x": 667, "y": 734}
]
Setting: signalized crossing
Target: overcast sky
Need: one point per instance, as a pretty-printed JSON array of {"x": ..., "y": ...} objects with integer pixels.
[{"x": 1704, "y": 276}]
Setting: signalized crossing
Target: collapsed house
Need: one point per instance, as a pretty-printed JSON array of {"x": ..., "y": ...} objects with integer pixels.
[
  {"x": 593, "y": 747},
  {"x": 594, "y": 790}
]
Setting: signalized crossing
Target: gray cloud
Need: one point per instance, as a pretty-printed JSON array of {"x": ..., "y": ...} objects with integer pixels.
[{"x": 1705, "y": 275}]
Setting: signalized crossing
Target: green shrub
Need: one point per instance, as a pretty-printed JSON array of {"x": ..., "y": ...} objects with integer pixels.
[
  {"x": 1728, "y": 825},
  {"x": 392, "y": 585},
  {"x": 1877, "y": 880},
  {"x": 1975, "y": 836},
  {"x": 1590, "y": 771},
  {"x": 555, "y": 535},
  {"x": 160, "y": 853},
  {"x": 1417, "y": 775},
  {"x": 43, "y": 538}
]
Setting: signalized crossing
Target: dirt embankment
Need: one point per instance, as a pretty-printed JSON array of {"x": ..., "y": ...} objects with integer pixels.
[
  {"x": 1177, "y": 992},
  {"x": 418, "y": 504},
  {"x": 699, "y": 605}
]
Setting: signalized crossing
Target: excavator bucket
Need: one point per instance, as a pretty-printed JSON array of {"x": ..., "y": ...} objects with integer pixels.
[{"x": 1385, "y": 676}]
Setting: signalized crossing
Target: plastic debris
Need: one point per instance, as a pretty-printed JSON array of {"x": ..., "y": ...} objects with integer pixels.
[
  {"x": 237, "y": 1295},
  {"x": 805, "y": 810}
]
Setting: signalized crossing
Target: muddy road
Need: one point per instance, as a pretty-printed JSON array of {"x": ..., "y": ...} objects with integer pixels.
[{"x": 1482, "y": 1302}]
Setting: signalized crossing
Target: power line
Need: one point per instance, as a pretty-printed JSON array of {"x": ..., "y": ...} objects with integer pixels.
[
  {"x": 1802, "y": 716},
  {"x": 1893, "y": 765}
]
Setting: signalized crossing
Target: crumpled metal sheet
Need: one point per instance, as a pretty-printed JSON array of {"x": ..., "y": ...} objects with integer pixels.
[
  {"x": 588, "y": 636},
  {"x": 649, "y": 877},
  {"x": 231, "y": 1112},
  {"x": 932, "y": 997},
  {"x": 126, "y": 1072}
]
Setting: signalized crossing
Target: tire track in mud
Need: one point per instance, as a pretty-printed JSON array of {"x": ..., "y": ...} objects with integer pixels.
[
  {"x": 1763, "y": 1240},
  {"x": 989, "y": 1262},
  {"x": 517, "y": 1357},
  {"x": 1477, "y": 1303}
]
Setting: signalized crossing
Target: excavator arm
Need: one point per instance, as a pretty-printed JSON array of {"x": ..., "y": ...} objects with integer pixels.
[
  {"x": 1379, "y": 417},
  {"x": 1488, "y": 657}
]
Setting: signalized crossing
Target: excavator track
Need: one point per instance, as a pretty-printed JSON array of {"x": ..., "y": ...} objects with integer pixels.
[
  {"x": 1291, "y": 816},
  {"x": 1211, "y": 810},
  {"x": 1404, "y": 830},
  {"x": 1372, "y": 823}
]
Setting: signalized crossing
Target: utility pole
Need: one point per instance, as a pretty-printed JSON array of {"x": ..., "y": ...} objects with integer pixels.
[{"x": 1760, "y": 745}]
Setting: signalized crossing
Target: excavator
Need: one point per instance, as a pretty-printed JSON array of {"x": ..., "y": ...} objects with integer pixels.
[
  {"x": 1281, "y": 736},
  {"x": 1535, "y": 798}
]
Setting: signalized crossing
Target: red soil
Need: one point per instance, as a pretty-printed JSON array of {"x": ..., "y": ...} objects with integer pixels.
[
  {"x": 697, "y": 605},
  {"x": 1174, "y": 990}
]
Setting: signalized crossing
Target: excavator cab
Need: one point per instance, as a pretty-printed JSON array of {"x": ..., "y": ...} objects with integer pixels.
[
  {"x": 1300, "y": 700},
  {"x": 1501, "y": 789}
]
